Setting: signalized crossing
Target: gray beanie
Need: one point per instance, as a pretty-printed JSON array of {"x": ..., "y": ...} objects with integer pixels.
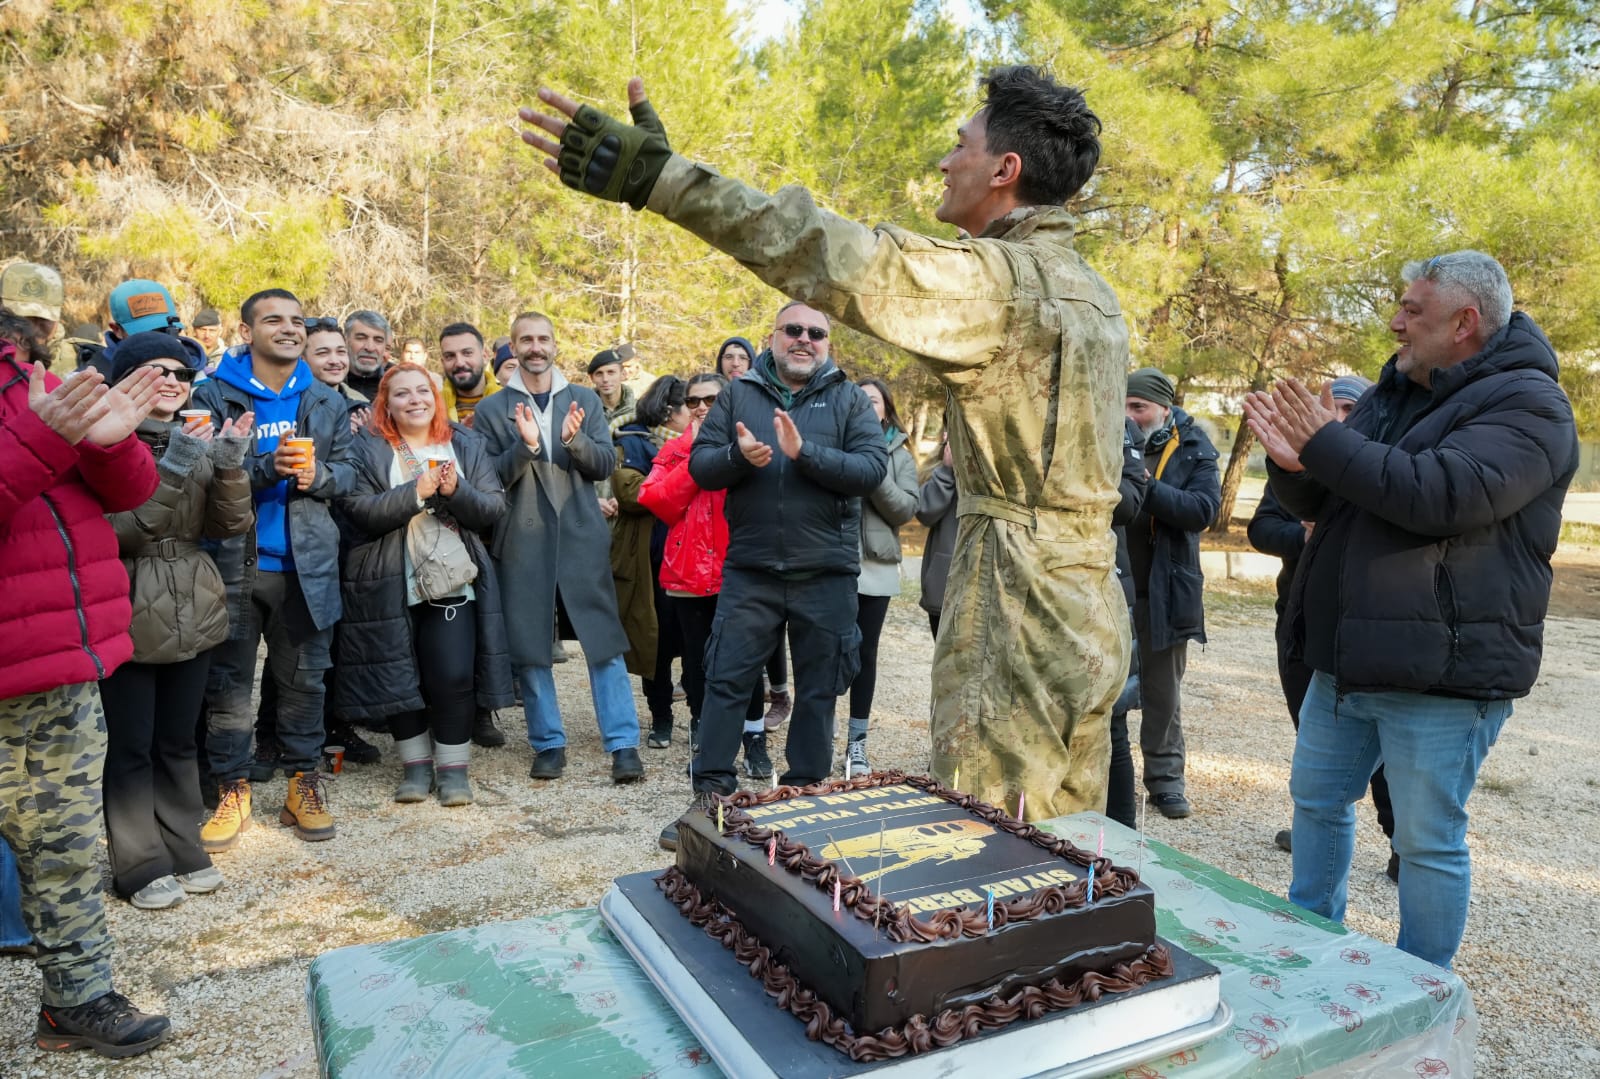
[
  {"x": 1149, "y": 384},
  {"x": 1349, "y": 387}
]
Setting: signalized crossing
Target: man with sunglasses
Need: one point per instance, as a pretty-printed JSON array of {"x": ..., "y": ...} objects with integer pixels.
[
  {"x": 1032, "y": 348},
  {"x": 790, "y": 440}
]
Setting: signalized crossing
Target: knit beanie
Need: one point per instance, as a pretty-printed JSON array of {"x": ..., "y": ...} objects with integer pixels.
[
  {"x": 136, "y": 350},
  {"x": 1149, "y": 384},
  {"x": 1349, "y": 387}
]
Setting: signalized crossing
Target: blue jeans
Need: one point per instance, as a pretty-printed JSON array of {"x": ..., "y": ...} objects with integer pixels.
[
  {"x": 1431, "y": 749},
  {"x": 14, "y": 932},
  {"x": 613, "y": 706}
]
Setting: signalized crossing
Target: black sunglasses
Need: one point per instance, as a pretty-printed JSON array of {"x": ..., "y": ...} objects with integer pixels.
[
  {"x": 316, "y": 325},
  {"x": 696, "y": 402},
  {"x": 797, "y": 331},
  {"x": 182, "y": 374}
]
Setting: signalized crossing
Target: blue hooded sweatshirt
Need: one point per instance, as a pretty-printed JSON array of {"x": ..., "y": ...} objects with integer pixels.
[{"x": 275, "y": 419}]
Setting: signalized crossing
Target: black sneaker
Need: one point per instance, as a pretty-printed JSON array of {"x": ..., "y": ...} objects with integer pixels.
[
  {"x": 703, "y": 800},
  {"x": 1282, "y": 839},
  {"x": 660, "y": 733},
  {"x": 626, "y": 765},
  {"x": 357, "y": 750},
  {"x": 549, "y": 763},
  {"x": 1171, "y": 805},
  {"x": 108, "y": 1024},
  {"x": 485, "y": 732},
  {"x": 757, "y": 765},
  {"x": 268, "y": 760}
]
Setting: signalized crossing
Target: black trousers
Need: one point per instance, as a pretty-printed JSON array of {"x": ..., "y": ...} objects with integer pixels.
[
  {"x": 1121, "y": 802},
  {"x": 445, "y": 637},
  {"x": 870, "y": 612},
  {"x": 751, "y": 613},
  {"x": 933, "y": 623},
  {"x": 693, "y": 616},
  {"x": 778, "y": 665},
  {"x": 152, "y": 777},
  {"x": 669, "y": 646},
  {"x": 1295, "y": 677}
]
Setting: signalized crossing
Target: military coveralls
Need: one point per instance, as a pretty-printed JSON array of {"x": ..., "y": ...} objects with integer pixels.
[{"x": 1032, "y": 348}]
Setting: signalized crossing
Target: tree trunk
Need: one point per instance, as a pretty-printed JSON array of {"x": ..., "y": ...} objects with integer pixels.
[{"x": 1238, "y": 457}]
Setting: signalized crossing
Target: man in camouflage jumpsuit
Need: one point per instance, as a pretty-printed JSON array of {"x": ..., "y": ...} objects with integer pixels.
[{"x": 1032, "y": 348}]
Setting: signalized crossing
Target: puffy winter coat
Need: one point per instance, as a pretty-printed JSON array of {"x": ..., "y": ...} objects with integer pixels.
[
  {"x": 377, "y": 654},
  {"x": 634, "y": 550},
  {"x": 1435, "y": 550},
  {"x": 800, "y": 516},
  {"x": 66, "y": 611},
  {"x": 891, "y": 504},
  {"x": 697, "y": 530},
  {"x": 180, "y": 606}
]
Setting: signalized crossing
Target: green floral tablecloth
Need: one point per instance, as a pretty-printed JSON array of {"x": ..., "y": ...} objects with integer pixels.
[{"x": 558, "y": 996}]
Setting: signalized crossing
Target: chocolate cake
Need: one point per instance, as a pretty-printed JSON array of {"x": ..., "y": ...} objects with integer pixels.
[{"x": 894, "y": 915}]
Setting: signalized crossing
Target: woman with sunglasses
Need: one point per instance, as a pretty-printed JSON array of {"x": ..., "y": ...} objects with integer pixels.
[
  {"x": 425, "y": 662},
  {"x": 882, "y": 513},
  {"x": 637, "y": 539},
  {"x": 691, "y": 567},
  {"x": 153, "y": 806}
]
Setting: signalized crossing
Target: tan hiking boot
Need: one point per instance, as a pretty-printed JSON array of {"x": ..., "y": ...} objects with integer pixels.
[
  {"x": 230, "y": 821},
  {"x": 306, "y": 808}
]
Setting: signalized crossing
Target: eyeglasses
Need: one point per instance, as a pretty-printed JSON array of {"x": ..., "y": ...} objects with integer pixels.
[
  {"x": 797, "y": 331},
  {"x": 699, "y": 402},
  {"x": 182, "y": 374},
  {"x": 316, "y": 325}
]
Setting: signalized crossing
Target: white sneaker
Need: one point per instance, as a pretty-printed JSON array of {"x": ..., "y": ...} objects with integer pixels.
[
  {"x": 202, "y": 881},
  {"x": 159, "y": 894}
]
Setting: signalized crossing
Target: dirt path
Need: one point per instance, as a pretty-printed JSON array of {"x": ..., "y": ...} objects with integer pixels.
[{"x": 231, "y": 968}]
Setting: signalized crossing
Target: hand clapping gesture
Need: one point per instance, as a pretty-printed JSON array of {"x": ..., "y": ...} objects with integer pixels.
[
  {"x": 755, "y": 451},
  {"x": 428, "y": 482},
  {"x": 789, "y": 440},
  {"x": 448, "y": 478},
  {"x": 572, "y": 424},
  {"x": 83, "y": 406},
  {"x": 527, "y": 427}
]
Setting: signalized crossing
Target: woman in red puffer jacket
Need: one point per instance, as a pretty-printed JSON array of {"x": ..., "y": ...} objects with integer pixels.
[{"x": 697, "y": 543}]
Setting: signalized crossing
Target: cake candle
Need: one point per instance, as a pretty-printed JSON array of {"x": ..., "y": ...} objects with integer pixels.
[
  {"x": 719, "y": 818},
  {"x": 1088, "y": 895},
  {"x": 772, "y": 850},
  {"x": 990, "y": 912},
  {"x": 955, "y": 779},
  {"x": 836, "y": 895},
  {"x": 1022, "y": 798}
]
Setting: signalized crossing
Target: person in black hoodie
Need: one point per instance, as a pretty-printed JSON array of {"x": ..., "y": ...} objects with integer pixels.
[
  {"x": 797, "y": 446},
  {"x": 1164, "y": 549},
  {"x": 1421, "y": 596}
]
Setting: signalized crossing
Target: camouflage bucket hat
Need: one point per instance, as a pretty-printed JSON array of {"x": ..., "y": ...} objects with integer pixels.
[{"x": 32, "y": 291}]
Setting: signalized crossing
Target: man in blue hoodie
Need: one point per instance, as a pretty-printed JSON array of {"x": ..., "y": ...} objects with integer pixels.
[{"x": 283, "y": 577}]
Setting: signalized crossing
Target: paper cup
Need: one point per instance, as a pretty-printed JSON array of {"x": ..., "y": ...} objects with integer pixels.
[
  {"x": 335, "y": 758},
  {"x": 195, "y": 418},
  {"x": 305, "y": 447}
]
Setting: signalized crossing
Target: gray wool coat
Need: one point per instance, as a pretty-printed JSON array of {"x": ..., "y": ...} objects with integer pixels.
[{"x": 553, "y": 539}]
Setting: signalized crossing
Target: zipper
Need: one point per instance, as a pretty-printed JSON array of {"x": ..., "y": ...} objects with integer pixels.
[{"x": 77, "y": 588}]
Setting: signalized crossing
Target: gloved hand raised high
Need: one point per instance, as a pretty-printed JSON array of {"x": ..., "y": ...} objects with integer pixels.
[{"x": 599, "y": 155}]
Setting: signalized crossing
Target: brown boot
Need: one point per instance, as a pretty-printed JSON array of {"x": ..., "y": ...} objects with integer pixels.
[
  {"x": 306, "y": 808},
  {"x": 778, "y": 711},
  {"x": 230, "y": 821}
]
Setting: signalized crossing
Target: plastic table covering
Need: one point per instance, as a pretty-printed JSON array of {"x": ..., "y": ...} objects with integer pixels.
[{"x": 558, "y": 995}]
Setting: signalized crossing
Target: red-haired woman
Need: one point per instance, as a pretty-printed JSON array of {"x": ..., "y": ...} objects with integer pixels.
[{"x": 421, "y": 645}]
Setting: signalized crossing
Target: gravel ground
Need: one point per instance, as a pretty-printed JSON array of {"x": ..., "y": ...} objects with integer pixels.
[{"x": 230, "y": 968}]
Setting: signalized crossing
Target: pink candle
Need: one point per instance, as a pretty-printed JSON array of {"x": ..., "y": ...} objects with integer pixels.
[
  {"x": 772, "y": 850},
  {"x": 1022, "y": 799},
  {"x": 836, "y": 895}
]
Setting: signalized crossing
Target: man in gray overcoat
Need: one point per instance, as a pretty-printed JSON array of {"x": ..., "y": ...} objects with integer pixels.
[{"x": 550, "y": 442}]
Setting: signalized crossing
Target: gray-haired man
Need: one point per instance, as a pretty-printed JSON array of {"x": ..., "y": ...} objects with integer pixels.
[
  {"x": 1421, "y": 595},
  {"x": 367, "y": 334}
]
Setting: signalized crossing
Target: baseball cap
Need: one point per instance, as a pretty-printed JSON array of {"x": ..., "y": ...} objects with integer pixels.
[
  {"x": 140, "y": 305},
  {"x": 32, "y": 291}
]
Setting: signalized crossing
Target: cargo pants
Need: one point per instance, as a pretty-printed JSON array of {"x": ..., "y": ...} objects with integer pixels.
[{"x": 52, "y": 755}]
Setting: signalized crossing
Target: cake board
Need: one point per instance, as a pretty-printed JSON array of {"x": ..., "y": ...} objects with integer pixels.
[{"x": 750, "y": 1036}]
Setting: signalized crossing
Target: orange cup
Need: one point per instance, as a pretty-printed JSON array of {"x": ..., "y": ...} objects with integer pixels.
[
  {"x": 195, "y": 418},
  {"x": 334, "y": 755},
  {"x": 305, "y": 447}
]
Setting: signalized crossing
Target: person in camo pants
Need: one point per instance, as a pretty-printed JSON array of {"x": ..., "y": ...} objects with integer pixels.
[{"x": 66, "y": 459}]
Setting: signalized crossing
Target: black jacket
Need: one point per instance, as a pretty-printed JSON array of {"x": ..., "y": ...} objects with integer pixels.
[
  {"x": 1177, "y": 507},
  {"x": 1132, "y": 488},
  {"x": 1277, "y": 532},
  {"x": 377, "y": 655},
  {"x": 801, "y": 516},
  {"x": 1436, "y": 549},
  {"x": 323, "y": 416}
]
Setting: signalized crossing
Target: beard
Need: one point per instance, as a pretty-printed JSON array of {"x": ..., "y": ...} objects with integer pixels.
[{"x": 465, "y": 380}]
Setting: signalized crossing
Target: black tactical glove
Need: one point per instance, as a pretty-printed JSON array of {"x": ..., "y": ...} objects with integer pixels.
[{"x": 611, "y": 160}]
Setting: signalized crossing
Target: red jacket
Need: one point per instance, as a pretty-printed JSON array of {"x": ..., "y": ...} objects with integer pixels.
[
  {"x": 65, "y": 612},
  {"x": 697, "y": 531}
]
